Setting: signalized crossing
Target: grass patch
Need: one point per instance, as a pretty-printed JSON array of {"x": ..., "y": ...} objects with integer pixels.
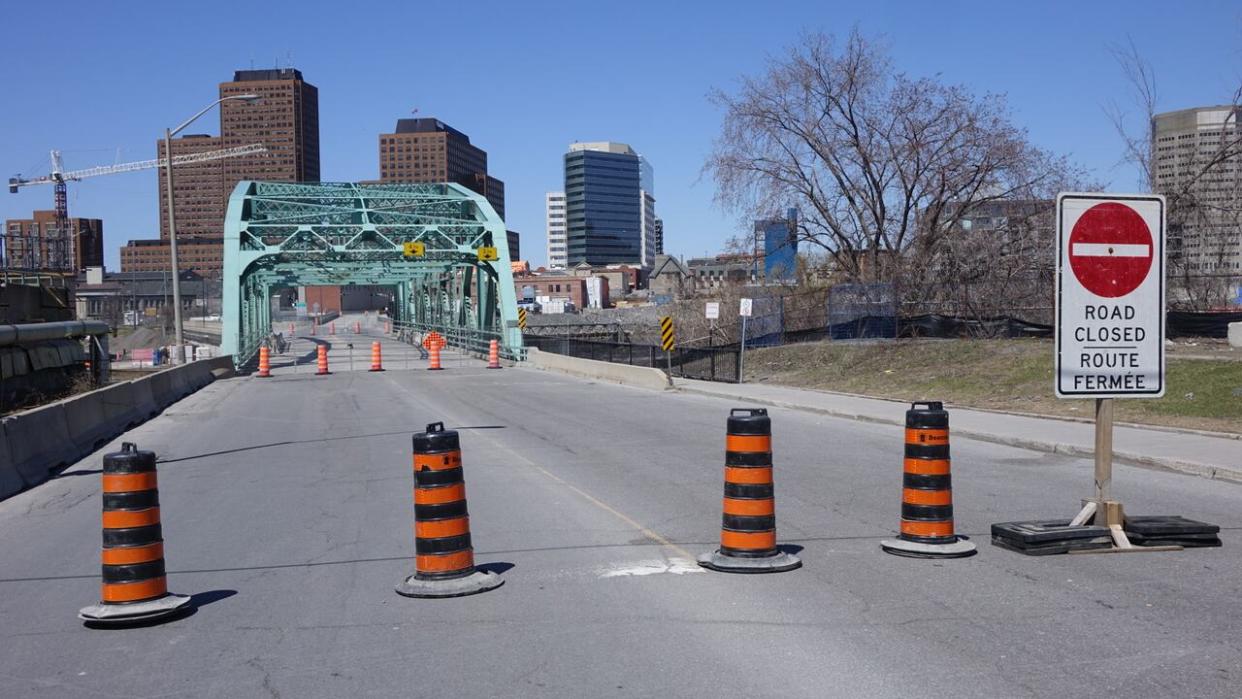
[{"x": 1013, "y": 375}]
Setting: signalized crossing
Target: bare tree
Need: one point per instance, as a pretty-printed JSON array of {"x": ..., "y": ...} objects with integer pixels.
[
  {"x": 1203, "y": 189},
  {"x": 884, "y": 167}
]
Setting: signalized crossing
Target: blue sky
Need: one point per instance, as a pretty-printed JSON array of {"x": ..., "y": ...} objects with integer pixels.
[{"x": 525, "y": 79}]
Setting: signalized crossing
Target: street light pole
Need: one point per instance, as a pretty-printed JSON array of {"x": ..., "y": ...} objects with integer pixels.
[
  {"x": 172, "y": 226},
  {"x": 172, "y": 248}
]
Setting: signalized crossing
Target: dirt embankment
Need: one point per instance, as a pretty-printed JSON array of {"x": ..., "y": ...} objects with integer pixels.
[{"x": 1204, "y": 388}]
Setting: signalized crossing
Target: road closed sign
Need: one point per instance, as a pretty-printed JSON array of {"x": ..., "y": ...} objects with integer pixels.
[{"x": 1110, "y": 296}]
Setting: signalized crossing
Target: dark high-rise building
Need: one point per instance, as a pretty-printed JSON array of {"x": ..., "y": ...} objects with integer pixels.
[
  {"x": 32, "y": 243},
  {"x": 515, "y": 245},
  {"x": 429, "y": 150},
  {"x": 604, "y": 204},
  {"x": 285, "y": 120}
]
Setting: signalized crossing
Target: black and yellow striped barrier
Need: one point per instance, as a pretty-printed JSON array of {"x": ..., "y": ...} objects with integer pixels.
[
  {"x": 667, "y": 339},
  {"x": 522, "y": 318}
]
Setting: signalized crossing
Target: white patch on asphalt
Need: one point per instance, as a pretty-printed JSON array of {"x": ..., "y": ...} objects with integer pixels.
[{"x": 676, "y": 566}]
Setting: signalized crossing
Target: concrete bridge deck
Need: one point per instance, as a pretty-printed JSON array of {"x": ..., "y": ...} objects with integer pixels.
[{"x": 287, "y": 514}]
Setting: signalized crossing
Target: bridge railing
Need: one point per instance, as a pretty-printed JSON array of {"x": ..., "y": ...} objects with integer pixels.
[{"x": 470, "y": 340}]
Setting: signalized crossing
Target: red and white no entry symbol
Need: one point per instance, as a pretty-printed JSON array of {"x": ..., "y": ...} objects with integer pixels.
[{"x": 1110, "y": 250}]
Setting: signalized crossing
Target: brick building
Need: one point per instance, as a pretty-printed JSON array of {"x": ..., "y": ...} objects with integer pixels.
[
  {"x": 285, "y": 120},
  {"x": 35, "y": 244},
  {"x": 555, "y": 287},
  {"x": 429, "y": 150}
]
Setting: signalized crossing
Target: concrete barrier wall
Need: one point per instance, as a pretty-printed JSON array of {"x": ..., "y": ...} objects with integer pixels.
[
  {"x": 640, "y": 376},
  {"x": 34, "y": 443}
]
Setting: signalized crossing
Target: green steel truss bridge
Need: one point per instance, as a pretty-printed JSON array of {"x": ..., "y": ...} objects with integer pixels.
[{"x": 280, "y": 235}]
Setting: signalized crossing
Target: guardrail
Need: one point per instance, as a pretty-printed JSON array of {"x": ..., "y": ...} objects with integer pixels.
[
  {"x": 469, "y": 340},
  {"x": 705, "y": 363},
  {"x": 35, "y": 443}
]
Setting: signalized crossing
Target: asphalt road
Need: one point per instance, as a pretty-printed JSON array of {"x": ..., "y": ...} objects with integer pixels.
[{"x": 286, "y": 510}]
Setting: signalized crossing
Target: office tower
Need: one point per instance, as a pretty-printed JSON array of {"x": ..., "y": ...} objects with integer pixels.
[
  {"x": 285, "y": 120},
  {"x": 558, "y": 252},
  {"x": 780, "y": 246},
  {"x": 607, "y": 206},
  {"x": 429, "y": 150},
  {"x": 1205, "y": 216}
]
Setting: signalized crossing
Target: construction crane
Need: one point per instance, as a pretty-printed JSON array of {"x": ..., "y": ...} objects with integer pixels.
[{"x": 58, "y": 179}]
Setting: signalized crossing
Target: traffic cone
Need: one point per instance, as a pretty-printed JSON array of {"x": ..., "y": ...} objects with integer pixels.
[
  {"x": 321, "y": 359},
  {"x": 433, "y": 357},
  {"x": 265, "y": 362},
  {"x": 748, "y": 530},
  {"x": 134, "y": 586},
  {"x": 377, "y": 360},
  {"x": 444, "y": 560},
  {"x": 927, "y": 489},
  {"x": 493, "y": 355}
]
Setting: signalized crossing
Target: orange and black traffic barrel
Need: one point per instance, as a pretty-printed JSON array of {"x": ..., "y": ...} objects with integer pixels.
[
  {"x": 444, "y": 555},
  {"x": 321, "y": 361},
  {"x": 134, "y": 584},
  {"x": 748, "y": 526},
  {"x": 927, "y": 489}
]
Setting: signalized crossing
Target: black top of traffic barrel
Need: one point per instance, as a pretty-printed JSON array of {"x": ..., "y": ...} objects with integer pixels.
[
  {"x": 130, "y": 459},
  {"x": 932, "y": 414},
  {"x": 436, "y": 439},
  {"x": 751, "y": 421}
]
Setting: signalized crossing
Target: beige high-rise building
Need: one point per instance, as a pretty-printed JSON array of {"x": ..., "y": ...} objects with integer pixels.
[{"x": 1205, "y": 203}]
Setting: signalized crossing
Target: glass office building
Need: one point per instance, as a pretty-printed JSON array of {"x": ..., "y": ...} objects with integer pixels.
[
  {"x": 603, "y": 204},
  {"x": 780, "y": 246}
]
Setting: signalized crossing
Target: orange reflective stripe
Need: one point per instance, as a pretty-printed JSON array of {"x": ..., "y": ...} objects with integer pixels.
[
  {"x": 437, "y": 462},
  {"x": 439, "y": 496},
  {"x": 748, "y": 442},
  {"x": 446, "y": 563},
  {"x": 123, "y": 519},
  {"x": 749, "y": 508},
  {"x": 927, "y": 467},
  {"x": 914, "y": 496},
  {"x": 128, "y": 482},
  {"x": 133, "y": 554},
  {"x": 761, "y": 475},
  {"x": 929, "y": 529},
  {"x": 443, "y": 527},
  {"x": 135, "y": 591},
  {"x": 916, "y": 435},
  {"x": 748, "y": 540}
]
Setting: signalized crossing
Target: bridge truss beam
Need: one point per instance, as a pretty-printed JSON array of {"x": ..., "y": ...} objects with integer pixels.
[{"x": 279, "y": 235}]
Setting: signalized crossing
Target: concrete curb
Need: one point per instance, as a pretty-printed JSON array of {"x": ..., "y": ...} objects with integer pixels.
[
  {"x": 34, "y": 443},
  {"x": 11, "y": 481},
  {"x": 639, "y": 376},
  {"x": 1188, "y": 467}
]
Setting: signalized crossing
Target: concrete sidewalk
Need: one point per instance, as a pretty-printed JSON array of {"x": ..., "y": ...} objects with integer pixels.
[{"x": 1200, "y": 454}]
